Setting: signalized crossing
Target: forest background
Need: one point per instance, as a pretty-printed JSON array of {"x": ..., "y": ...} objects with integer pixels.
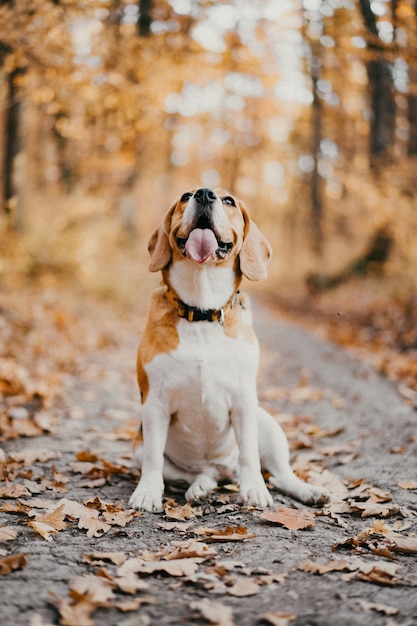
[{"x": 306, "y": 109}]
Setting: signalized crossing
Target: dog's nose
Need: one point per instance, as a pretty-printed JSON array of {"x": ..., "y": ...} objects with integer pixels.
[{"x": 204, "y": 196}]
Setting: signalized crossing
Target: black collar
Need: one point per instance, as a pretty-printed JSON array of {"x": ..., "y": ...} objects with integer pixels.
[{"x": 194, "y": 314}]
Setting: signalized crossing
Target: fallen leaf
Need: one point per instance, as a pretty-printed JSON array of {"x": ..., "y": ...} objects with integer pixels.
[
  {"x": 180, "y": 513},
  {"x": 190, "y": 549},
  {"x": 230, "y": 533},
  {"x": 33, "y": 455},
  {"x": 277, "y": 619},
  {"x": 13, "y": 490},
  {"x": 130, "y": 583},
  {"x": 177, "y": 567},
  {"x": 243, "y": 587},
  {"x": 98, "y": 558},
  {"x": 335, "y": 565},
  {"x": 75, "y": 613},
  {"x": 11, "y": 563},
  {"x": 293, "y": 519},
  {"x": 7, "y": 533},
  {"x": 214, "y": 612},
  {"x": 97, "y": 589},
  {"x": 380, "y": 608},
  {"x": 408, "y": 484},
  {"x": 50, "y": 523}
]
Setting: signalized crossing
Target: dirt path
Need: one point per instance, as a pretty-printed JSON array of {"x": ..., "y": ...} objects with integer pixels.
[{"x": 219, "y": 563}]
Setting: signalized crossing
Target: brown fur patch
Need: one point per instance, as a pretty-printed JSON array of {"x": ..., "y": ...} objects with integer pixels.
[{"x": 160, "y": 336}]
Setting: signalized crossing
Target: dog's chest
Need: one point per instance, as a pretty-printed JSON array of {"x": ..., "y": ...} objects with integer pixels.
[{"x": 207, "y": 371}]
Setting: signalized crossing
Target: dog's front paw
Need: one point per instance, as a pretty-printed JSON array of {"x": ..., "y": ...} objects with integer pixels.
[
  {"x": 200, "y": 489},
  {"x": 145, "y": 499},
  {"x": 255, "y": 493},
  {"x": 314, "y": 495}
]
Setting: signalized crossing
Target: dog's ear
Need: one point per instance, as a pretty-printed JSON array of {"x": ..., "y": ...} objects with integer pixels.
[
  {"x": 158, "y": 246},
  {"x": 255, "y": 253}
]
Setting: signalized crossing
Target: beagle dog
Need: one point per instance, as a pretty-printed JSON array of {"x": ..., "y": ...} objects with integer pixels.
[{"x": 198, "y": 360}]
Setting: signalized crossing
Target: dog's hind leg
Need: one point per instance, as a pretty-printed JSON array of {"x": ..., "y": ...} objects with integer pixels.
[{"x": 275, "y": 458}]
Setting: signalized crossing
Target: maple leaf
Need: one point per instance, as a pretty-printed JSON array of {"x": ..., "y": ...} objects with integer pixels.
[
  {"x": 13, "y": 562},
  {"x": 293, "y": 519}
]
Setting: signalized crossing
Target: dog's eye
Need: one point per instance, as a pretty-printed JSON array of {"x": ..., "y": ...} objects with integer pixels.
[
  {"x": 229, "y": 200},
  {"x": 186, "y": 196}
]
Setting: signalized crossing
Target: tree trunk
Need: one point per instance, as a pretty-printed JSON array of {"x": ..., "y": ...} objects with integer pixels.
[
  {"x": 11, "y": 143},
  {"x": 145, "y": 17}
]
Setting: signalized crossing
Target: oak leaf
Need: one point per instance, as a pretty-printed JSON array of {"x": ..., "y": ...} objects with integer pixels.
[
  {"x": 50, "y": 523},
  {"x": 293, "y": 519}
]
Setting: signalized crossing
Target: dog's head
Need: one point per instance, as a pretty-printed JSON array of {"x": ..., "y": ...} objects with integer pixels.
[{"x": 206, "y": 226}]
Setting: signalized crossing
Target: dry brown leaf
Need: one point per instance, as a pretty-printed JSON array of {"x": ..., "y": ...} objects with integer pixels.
[
  {"x": 98, "y": 558},
  {"x": 407, "y": 484},
  {"x": 277, "y": 619},
  {"x": 216, "y": 613},
  {"x": 378, "y": 572},
  {"x": 97, "y": 589},
  {"x": 293, "y": 519},
  {"x": 13, "y": 490},
  {"x": 371, "y": 508},
  {"x": 179, "y": 513},
  {"x": 229, "y": 533},
  {"x": 7, "y": 533},
  {"x": 335, "y": 565},
  {"x": 119, "y": 518},
  {"x": 50, "y": 523},
  {"x": 190, "y": 549},
  {"x": 13, "y": 562},
  {"x": 380, "y": 608},
  {"x": 177, "y": 567},
  {"x": 243, "y": 587},
  {"x": 32, "y": 455},
  {"x": 75, "y": 613},
  {"x": 130, "y": 583}
]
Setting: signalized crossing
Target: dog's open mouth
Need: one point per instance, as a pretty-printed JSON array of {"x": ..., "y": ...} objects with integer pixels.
[{"x": 202, "y": 244}]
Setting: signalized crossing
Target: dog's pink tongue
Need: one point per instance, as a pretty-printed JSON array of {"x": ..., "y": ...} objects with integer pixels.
[{"x": 201, "y": 244}]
